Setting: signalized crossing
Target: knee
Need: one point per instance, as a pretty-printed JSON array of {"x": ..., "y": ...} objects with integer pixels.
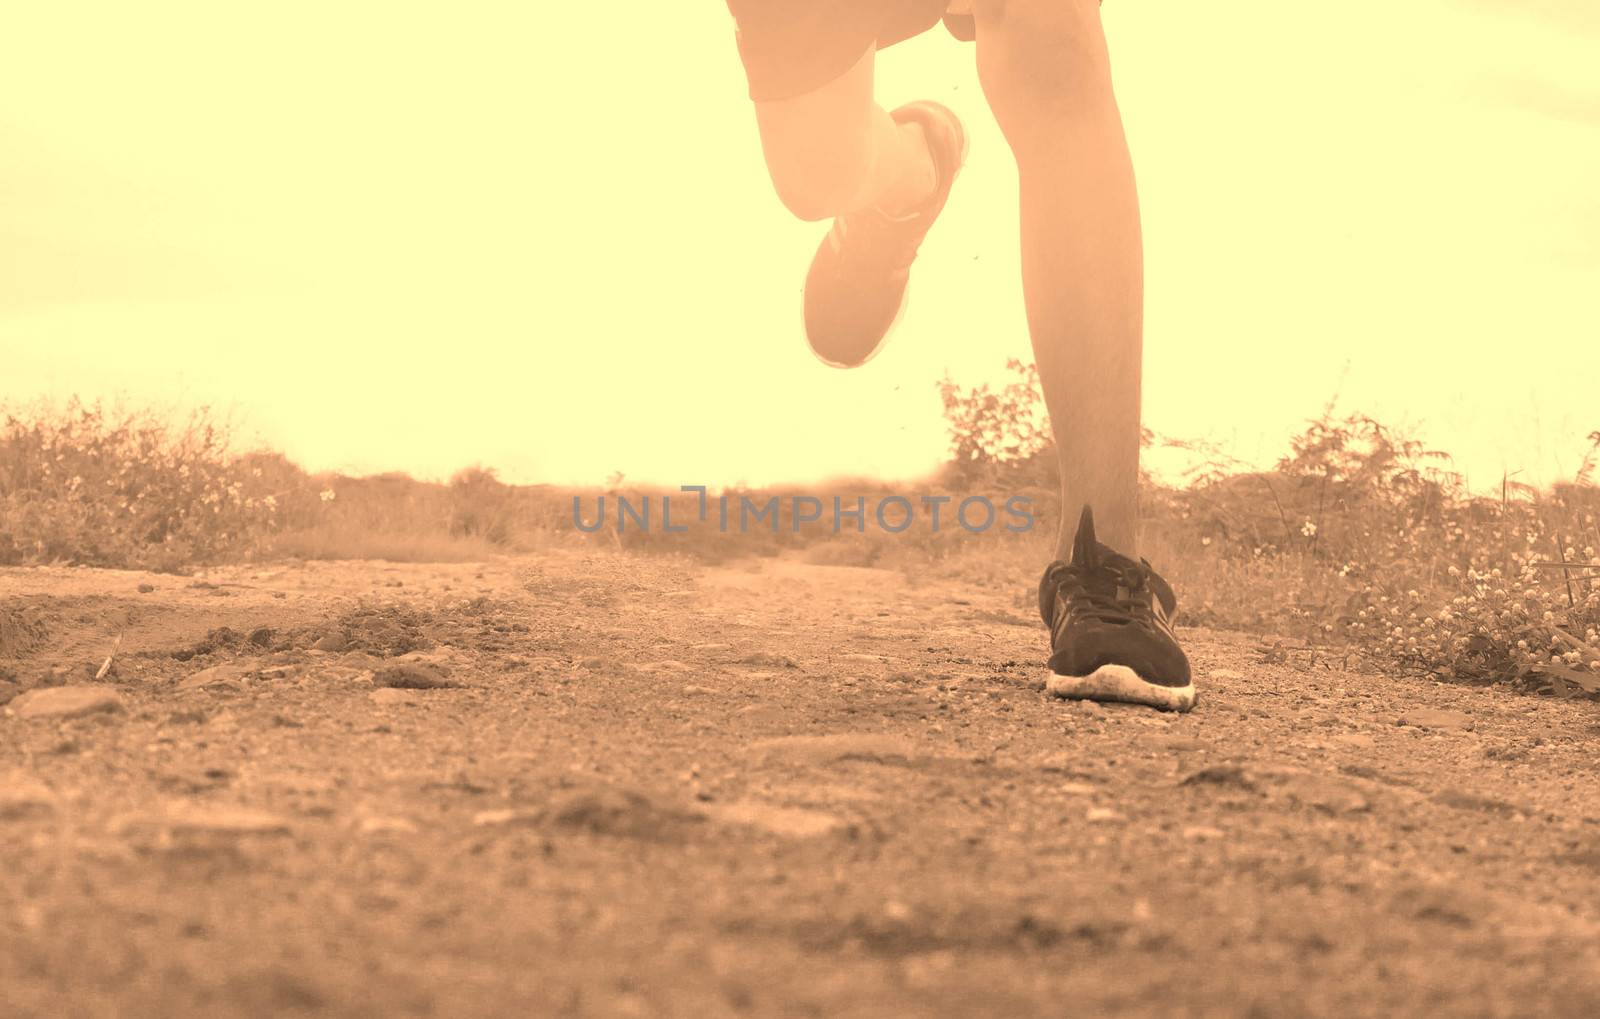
[{"x": 1039, "y": 57}]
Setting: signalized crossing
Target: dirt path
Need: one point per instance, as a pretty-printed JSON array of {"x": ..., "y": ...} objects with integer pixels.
[{"x": 775, "y": 789}]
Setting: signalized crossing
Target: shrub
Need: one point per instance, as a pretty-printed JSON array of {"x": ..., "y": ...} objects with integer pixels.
[
  {"x": 1360, "y": 538},
  {"x": 84, "y": 485}
]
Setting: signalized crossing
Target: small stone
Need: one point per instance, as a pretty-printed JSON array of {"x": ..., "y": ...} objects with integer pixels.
[
  {"x": 768, "y": 660},
  {"x": 393, "y": 697},
  {"x": 764, "y": 715},
  {"x": 66, "y": 702},
  {"x": 440, "y": 659},
  {"x": 221, "y": 676},
  {"x": 1441, "y": 719},
  {"x": 627, "y": 813},
  {"x": 1202, "y": 833},
  {"x": 593, "y": 662},
  {"x": 412, "y": 676},
  {"x": 503, "y": 817},
  {"x": 1325, "y": 793},
  {"x": 146, "y": 588},
  {"x": 1076, "y": 789},
  {"x": 864, "y": 659},
  {"x": 1229, "y": 776},
  {"x": 334, "y": 642},
  {"x": 665, "y": 666},
  {"x": 1103, "y": 815}
]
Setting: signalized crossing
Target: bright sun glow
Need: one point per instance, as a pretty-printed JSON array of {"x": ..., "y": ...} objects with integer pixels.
[{"x": 509, "y": 234}]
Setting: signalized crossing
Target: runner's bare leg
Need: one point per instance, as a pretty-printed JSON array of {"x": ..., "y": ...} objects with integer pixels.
[
  {"x": 1046, "y": 72},
  {"x": 835, "y": 150}
]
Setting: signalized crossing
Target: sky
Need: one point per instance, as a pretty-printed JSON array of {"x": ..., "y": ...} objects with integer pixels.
[{"x": 542, "y": 239}]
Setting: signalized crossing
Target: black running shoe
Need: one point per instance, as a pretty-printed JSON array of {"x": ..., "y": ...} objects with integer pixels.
[
  {"x": 1110, "y": 622},
  {"x": 856, "y": 288}
]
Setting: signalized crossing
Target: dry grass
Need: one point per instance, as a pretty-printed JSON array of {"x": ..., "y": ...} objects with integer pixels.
[{"x": 1358, "y": 540}]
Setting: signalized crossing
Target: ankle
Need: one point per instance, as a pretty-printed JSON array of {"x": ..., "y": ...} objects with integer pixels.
[{"x": 918, "y": 180}]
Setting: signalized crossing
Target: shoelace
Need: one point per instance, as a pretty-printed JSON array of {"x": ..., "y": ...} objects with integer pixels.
[{"x": 1088, "y": 597}]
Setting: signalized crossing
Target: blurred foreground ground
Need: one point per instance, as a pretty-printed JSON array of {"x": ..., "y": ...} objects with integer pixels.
[{"x": 649, "y": 787}]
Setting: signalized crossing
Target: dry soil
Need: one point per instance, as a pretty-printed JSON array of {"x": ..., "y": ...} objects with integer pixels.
[{"x": 613, "y": 786}]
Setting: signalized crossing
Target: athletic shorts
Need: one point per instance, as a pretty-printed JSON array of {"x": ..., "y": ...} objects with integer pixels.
[{"x": 791, "y": 47}]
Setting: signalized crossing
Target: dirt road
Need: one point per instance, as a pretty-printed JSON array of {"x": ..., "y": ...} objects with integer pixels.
[{"x": 610, "y": 786}]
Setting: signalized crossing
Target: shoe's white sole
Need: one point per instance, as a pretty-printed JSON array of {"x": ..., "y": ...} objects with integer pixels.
[{"x": 1122, "y": 684}]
